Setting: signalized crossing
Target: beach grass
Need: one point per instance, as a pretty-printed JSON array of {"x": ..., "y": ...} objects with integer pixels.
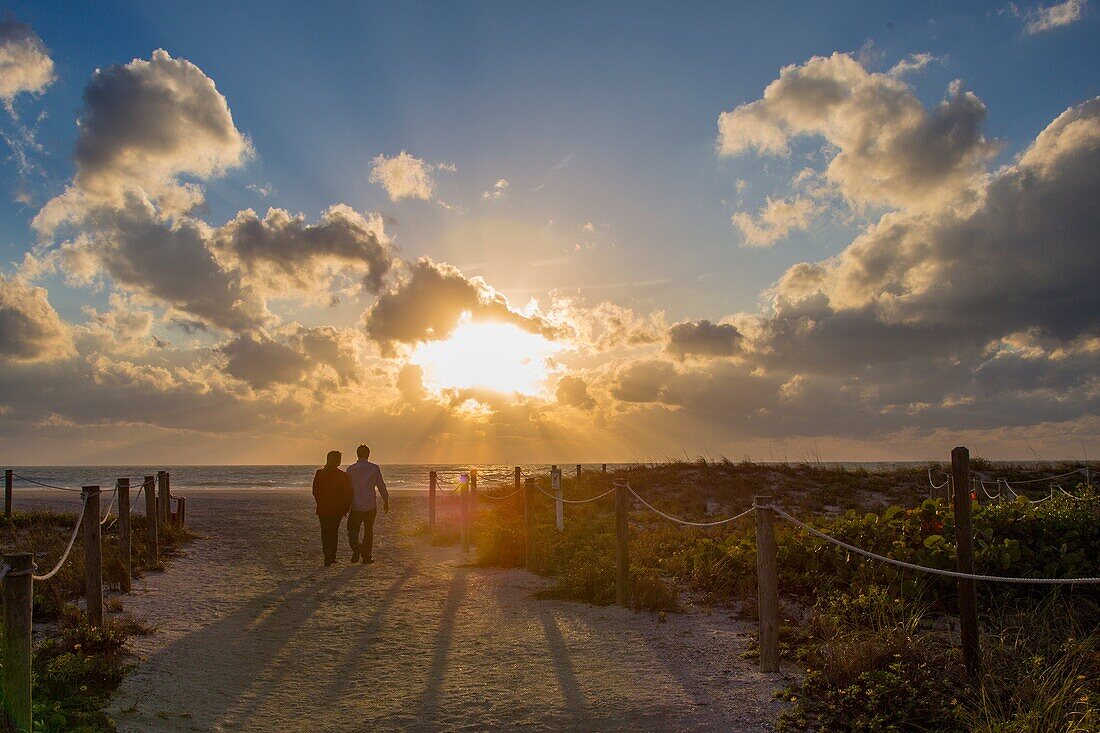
[{"x": 875, "y": 647}]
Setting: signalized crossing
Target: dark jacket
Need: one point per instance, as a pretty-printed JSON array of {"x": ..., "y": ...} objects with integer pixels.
[{"x": 332, "y": 490}]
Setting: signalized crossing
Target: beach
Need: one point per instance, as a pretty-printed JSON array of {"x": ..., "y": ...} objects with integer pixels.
[{"x": 254, "y": 634}]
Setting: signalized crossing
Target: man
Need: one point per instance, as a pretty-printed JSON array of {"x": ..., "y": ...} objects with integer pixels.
[
  {"x": 365, "y": 477},
  {"x": 332, "y": 490}
]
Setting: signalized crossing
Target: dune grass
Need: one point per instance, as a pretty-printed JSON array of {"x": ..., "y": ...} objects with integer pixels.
[
  {"x": 76, "y": 666},
  {"x": 875, "y": 646}
]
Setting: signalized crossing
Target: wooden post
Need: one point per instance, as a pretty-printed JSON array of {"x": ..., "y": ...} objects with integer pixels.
[
  {"x": 578, "y": 471},
  {"x": 433, "y": 477},
  {"x": 518, "y": 474},
  {"x": 622, "y": 545},
  {"x": 529, "y": 519},
  {"x": 93, "y": 556},
  {"x": 7, "y": 492},
  {"x": 473, "y": 488},
  {"x": 767, "y": 587},
  {"x": 181, "y": 511},
  {"x": 151, "y": 550},
  {"x": 123, "y": 489},
  {"x": 464, "y": 510},
  {"x": 18, "y": 626},
  {"x": 559, "y": 505},
  {"x": 964, "y": 552},
  {"x": 603, "y": 467},
  {"x": 163, "y": 505}
]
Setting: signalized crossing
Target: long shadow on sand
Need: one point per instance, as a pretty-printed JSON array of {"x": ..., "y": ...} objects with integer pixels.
[
  {"x": 259, "y": 630},
  {"x": 430, "y": 700},
  {"x": 575, "y": 704},
  {"x": 365, "y": 635}
]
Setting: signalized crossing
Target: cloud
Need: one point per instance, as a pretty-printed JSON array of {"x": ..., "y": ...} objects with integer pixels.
[
  {"x": 25, "y": 64},
  {"x": 406, "y": 177},
  {"x": 890, "y": 150},
  {"x": 775, "y": 220},
  {"x": 977, "y": 318},
  {"x": 573, "y": 392},
  {"x": 166, "y": 261},
  {"x": 703, "y": 338},
  {"x": 30, "y": 329},
  {"x": 431, "y": 302},
  {"x": 497, "y": 192},
  {"x": 145, "y": 124},
  {"x": 607, "y": 326},
  {"x": 261, "y": 361},
  {"x": 145, "y": 128},
  {"x": 1048, "y": 17},
  {"x": 281, "y": 252},
  {"x": 914, "y": 62}
]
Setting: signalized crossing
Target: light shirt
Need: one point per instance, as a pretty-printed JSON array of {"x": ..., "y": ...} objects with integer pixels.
[{"x": 365, "y": 477}]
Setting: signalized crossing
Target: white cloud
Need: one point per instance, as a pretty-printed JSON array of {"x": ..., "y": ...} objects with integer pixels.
[
  {"x": 775, "y": 220},
  {"x": 25, "y": 64},
  {"x": 914, "y": 62},
  {"x": 405, "y": 176},
  {"x": 888, "y": 148},
  {"x": 1045, "y": 18},
  {"x": 498, "y": 191},
  {"x": 145, "y": 124}
]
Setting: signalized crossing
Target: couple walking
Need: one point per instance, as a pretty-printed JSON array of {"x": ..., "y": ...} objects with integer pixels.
[{"x": 352, "y": 493}]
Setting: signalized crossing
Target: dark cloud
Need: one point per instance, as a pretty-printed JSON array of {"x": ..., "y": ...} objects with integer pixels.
[
  {"x": 262, "y": 362},
  {"x": 284, "y": 252},
  {"x": 30, "y": 329},
  {"x": 573, "y": 392},
  {"x": 431, "y": 303},
  {"x": 703, "y": 338},
  {"x": 169, "y": 262}
]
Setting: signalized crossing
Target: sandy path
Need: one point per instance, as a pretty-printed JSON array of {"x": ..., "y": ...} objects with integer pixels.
[{"x": 254, "y": 635}]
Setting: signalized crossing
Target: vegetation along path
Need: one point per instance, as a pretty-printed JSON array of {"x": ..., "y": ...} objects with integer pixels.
[{"x": 254, "y": 635}]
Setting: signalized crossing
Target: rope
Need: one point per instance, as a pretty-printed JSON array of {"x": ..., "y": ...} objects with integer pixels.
[
  {"x": 986, "y": 492},
  {"x": 107, "y": 516},
  {"x": 932, "y": 483},
  {"x": 500, "y": 498},
  {"x": 685, "y": 522},
  {"x": 922, "y": 568},
  {"x": 555, "y": 497},
  {"x": 1049, "y": 478},
  {"x": 48, "y": 486},
  {"x": 72, "y": 540}
]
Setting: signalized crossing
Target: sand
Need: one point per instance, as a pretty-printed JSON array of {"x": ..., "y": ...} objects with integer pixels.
[{"x": 254, "y": 634}]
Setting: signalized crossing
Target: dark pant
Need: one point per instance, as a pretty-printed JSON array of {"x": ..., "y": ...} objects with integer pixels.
[
  {"x": 366, "y": 519},
  {"x": 330, "y": 537}
]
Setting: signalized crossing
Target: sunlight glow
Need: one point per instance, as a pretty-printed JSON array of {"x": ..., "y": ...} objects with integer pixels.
[{"x": 495, "y": 356}]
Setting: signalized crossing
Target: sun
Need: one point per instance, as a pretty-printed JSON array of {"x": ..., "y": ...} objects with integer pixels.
[{"x": 497, "y": 356}]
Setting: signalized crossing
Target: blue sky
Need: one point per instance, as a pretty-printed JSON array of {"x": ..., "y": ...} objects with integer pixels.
[
  {"x": 628, "y": 93},
  {"x": 621, "y": 215}
]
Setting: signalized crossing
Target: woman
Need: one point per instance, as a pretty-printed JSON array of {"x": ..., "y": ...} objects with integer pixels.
[{"x": 332, "y": 491}]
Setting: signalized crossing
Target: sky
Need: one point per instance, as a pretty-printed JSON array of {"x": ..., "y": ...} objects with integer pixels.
[{"x": 526, "y": 232}]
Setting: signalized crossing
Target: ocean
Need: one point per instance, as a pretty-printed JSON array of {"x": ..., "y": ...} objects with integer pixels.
[{"x": 399, "y": 477}]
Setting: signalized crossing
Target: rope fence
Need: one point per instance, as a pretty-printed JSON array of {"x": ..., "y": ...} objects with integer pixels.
[
  {"x": 18, "y": 573},
  {"x": 923, "y": 568},
  {"x": 72, "y": 541},
  {"x": 685, "y": 522}
]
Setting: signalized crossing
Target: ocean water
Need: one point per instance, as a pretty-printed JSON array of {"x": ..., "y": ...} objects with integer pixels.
[{"x": 400, "y": 477}]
